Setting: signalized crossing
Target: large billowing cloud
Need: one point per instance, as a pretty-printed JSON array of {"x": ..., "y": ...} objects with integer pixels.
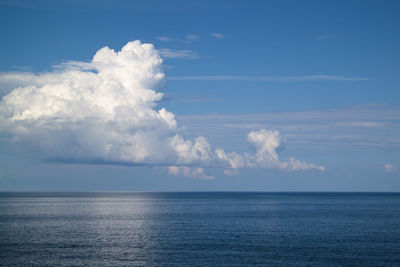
[{"x": 105, "y": 111}]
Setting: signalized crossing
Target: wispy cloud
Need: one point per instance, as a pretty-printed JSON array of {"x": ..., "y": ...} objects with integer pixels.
[
  {"x": 325, "y": 36},
  {"x": 389, "y": 167},
  {"x": 164, "y": 38},
  {"x": 179, "y": 98},
  {"x": 191, "y": 38},
  {"x": 178, "y": 54},
  {"x": 365, "y": 124},
  {"x": 218, "y": 35},
  {"x": 268, "y": 78},
  {"x": 330, "y": 130}
]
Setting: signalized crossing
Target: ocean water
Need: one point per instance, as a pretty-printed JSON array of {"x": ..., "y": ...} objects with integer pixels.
[{"x": 200, "y": 229}]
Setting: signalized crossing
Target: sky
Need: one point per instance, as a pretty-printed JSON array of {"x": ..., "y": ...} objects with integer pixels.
[{"x": 199, "y": 95}]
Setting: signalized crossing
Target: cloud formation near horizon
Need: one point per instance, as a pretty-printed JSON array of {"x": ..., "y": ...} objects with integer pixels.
[
  {"x": 389, "y": 167},
  {"x": 105, "y": 111}
]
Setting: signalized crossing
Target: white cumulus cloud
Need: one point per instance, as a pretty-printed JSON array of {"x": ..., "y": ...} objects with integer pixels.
[
  {"x": 266, "y": 144},
  {"x": 105, "y": 111}
]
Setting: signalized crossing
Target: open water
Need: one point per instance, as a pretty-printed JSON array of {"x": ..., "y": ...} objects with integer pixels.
[{"x": 200, "y": 229}]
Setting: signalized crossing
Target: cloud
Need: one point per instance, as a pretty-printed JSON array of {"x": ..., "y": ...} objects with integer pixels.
[
  {"x": 365, "y": 124},
  {"x": 265, "y": 143},
  {"x": 195, "y": 172},
  {"x": 177, "y": 54},
  {"x": 231, "y": 172},
  {"x": 217, "y": 35},
  {"x": 389, "y": 167},
  {"x": 164, "y": 38},
  {"x": 105, "y": 111},
  {"x": 330, "y": 130},
  {"x": 191, "y": 38},
  {"x": 268, "y": 78},
  {"x": 9, "y": 80},
  {"x": 188, "y": 98}
]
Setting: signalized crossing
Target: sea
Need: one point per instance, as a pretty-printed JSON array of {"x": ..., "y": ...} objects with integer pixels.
[{"x": 199, "y": 229}]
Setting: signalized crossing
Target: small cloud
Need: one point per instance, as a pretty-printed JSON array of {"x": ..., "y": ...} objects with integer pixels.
[
  {"x": 325, "y": 36},
  {"x": 389, "y": 167},
  {"x": 191, "y": 38},
  {"x": 183, "y": 54},
  {"x": 231, "y": 172},
  {"x": 164, "y": 38},
  {"x": 194, "y": 172},
  {"x": 218, "y": 35}
]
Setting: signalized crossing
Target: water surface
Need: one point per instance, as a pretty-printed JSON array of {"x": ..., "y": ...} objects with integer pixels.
[{"x": 201, "y": 229}]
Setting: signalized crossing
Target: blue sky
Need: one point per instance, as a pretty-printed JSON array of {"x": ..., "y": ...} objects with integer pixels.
[{"x": 325, "y": 74}]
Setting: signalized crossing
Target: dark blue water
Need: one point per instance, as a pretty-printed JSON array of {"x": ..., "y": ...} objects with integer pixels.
[{"x": 201, "y": 229}]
